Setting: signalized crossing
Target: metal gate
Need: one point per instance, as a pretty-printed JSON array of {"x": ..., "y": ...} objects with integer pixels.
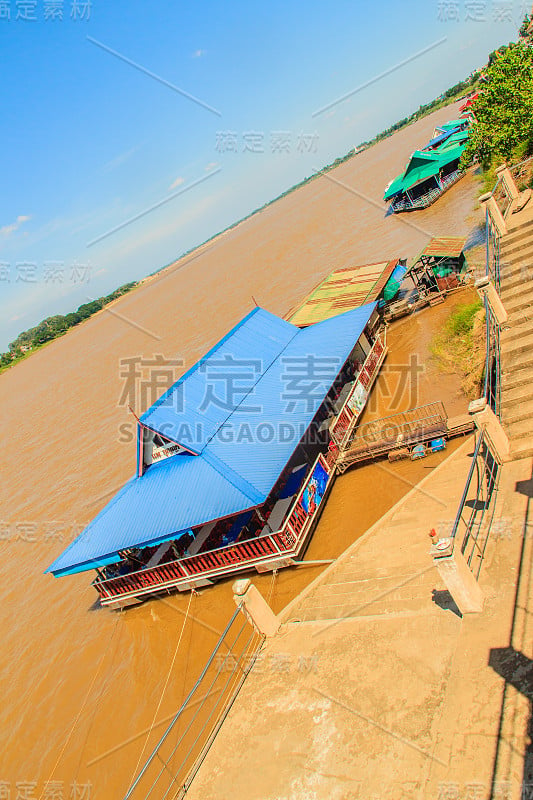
[{"x": 475, "y": 515}]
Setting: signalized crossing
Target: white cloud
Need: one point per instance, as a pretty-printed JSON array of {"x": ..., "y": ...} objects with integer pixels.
[
  {"x": 120, "y": 159},
  {"x": 7, "y": 230},
  {"x": 179, "y": 180},
  {"x": 198, "y": 53}
]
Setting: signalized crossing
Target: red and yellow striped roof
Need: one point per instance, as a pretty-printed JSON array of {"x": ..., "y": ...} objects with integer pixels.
[{"x": 342, "y": 290}]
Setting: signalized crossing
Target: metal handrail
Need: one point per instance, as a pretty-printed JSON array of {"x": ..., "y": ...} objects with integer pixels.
[
  {"x": 520, "y": 163},
  {"x": 487, "y": 349},
  {"x": 511, "y": 169},
  {"x": 467, "y": 486},
  {"x": 183, "y": 705},
  {"x": 488, "y": 472}
]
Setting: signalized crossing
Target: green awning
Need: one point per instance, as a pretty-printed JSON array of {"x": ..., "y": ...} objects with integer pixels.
[
  {"x": 453, "y": 123},
  {"x": 454, "y": 140},
  {"x": 394, "y": 187},
  {"x": 424, "y": 165}
]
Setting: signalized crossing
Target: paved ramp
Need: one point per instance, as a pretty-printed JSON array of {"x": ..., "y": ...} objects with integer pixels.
[{"x": 391, "y": 573}]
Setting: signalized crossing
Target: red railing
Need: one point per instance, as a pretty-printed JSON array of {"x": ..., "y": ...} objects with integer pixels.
[
  {"x": 142, "y": 579},
  {"x": 347, "y": 418},
  {"x": 185, "y": 568},
  {"x": 285, "y": 542}
]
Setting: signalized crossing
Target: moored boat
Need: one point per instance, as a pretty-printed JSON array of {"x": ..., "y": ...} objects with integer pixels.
[
  {"x": 235, "y": 460},
  {"x": 430, "y": 171}
]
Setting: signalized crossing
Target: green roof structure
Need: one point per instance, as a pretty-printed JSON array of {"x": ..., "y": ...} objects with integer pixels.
[
  {"x": 430, "y": 162},
  {"x": 423, "y": 165}
]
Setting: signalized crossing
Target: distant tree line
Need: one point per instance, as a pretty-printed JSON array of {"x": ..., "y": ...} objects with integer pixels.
[
  {"x": 52, "y": 327},
  {"x": 444, "y": 99}
]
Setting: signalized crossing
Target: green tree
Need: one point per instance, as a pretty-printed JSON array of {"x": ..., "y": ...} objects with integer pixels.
[
  {"x": 504, "y": 108},
  {"x": 524, "y": 32}
]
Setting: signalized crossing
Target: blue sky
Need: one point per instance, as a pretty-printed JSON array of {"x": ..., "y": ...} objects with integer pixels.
[{"x": 90, "y": 140}]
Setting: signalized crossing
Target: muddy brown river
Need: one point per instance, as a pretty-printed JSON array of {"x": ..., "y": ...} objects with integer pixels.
[{"x": 80, "y": 683}]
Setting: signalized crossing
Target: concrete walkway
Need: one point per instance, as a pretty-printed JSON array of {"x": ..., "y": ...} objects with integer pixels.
[{"x": 375, "y": 687}]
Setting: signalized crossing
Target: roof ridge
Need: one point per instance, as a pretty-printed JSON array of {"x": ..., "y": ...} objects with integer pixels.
[
  {"x": 236, "y": 480},
  {"x": 331, "y": 321},
  {"x": 247, "y": 395},
  {"x": 203, "y": 358}
]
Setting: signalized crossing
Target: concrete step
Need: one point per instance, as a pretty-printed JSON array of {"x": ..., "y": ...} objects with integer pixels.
[
  {"x": 511, "y": 247},
  {"x": 518, "y": 378},
  {"x": 511, "y": 293},
  {"x": 523, "y": 429},
  {"x": 512, "y": 275},
  {"x": 519, "y": 316},
  {"x": 522, "y": 448},
  {"x": 517, "y": 341},
  {"x": 520, "y": 393},
  {"x": 518, "y": 412},
  {"x": 518, "y": 307},
  {"x": 517, "y": 232},
  {"x": 516, "y": 360},
  {"x": 322, "y": 610},
  {"x": 519, "y": 266},
  {"x": 516, "y": 332},
  {"x": 520, "y": 278},
  {"x": 523, "y": 253}
]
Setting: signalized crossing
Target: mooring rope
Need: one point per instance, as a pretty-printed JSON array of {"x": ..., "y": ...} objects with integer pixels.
[
  {"x": 164, "y": 687},
  {"x": 271, "y": 591},
  {"x": 74, "y": 724}
]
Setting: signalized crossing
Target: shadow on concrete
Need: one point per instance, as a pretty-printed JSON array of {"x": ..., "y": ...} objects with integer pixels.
[
  {"x": 478, "y": 505},
  {"x": 476, "y": 237},
  {"x": 517, "y": 670},
  {"x": 511, "y": 664},
  {"x": 444, "y": 600},
  {"x": 525, "y": 487}
]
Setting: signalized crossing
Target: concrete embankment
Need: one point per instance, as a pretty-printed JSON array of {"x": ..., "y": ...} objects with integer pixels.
[{"x": 375, "y": 686}]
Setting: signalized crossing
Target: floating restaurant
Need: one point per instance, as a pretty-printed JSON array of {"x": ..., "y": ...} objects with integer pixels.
[
  {"x": 235, "y": 460},
  {"x": 431, "y": 170}
]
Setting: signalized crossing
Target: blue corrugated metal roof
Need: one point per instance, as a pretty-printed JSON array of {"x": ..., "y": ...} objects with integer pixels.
[
  {"x": 171, "y": 496},
  {"x": 199, "y": 400},
  {"x": 289, "y": 393},
  {"x": 441, "y": 138},
  {"x": 245, "y": 455}
]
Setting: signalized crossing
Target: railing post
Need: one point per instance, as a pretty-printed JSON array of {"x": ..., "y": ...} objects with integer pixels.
[
  {"x": 255, "y": 607},
  {"x": 457, "y": 576},
  {"x": 486, "y": 289},
  {"x": 488, "y": 423},
  {"x": 494, "y": 212},
  {"x": 504, "y": 173}
]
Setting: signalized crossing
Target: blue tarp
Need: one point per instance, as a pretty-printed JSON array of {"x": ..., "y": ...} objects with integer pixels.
[
  {"x": 243, "y": 452},
  {"x": 441, "y": 138}
]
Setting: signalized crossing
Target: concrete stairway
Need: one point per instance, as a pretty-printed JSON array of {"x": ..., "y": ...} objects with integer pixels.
[{"x": 516, "y": 257}]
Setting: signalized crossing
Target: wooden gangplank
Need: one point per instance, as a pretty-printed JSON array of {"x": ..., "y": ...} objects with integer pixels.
[{"x": 406, "y": 429}]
